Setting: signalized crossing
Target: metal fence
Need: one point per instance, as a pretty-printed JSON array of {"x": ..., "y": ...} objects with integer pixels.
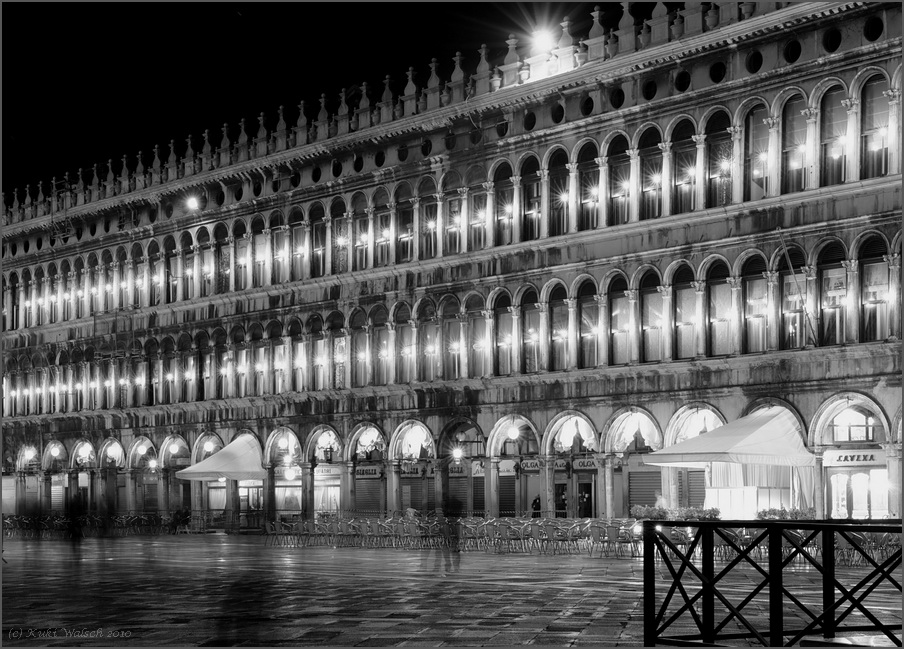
[{"x": 769, "y": 582}]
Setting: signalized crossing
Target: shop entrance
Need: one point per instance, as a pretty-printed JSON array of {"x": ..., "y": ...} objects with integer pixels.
[
  {"x": 857, "y": 492},
  {"x": 561, "y": 501}
]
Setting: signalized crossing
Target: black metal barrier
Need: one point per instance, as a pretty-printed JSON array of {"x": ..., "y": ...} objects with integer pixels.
[{"x": 719, "y": 568}]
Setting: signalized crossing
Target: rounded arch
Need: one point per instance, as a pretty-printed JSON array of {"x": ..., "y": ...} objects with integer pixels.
[
  {"x": 426, "y": 186},
  {"x": 459, "y": 430},
  {"x": 364, "y": 438},
  {"x": 141, "y": 453},
  {"x": 207, "y": 444},
  {"x": 552, "y": 151},
  {"x": 499, "y": 434},
  {"x": 746, "y": 106},
  {"x": 822, "y": 244},
  {"x": 55, "y": 457},
  {"x": 625, "y": 425},
  {"x": 691, "y": 420},
  {"x": 797, "y": 254},
  {"x": 584, "y": 147},
  {"x": 112, "y": 453},
  {"x": 498, "y": 293},
  {"x": 282, "y": 447},
  {"x": 578, "y": 284},
  {"x": 473, "y": 301},
  {"x": 774, "y": 402},
  {"x": 641, "y": 273},
  {"x": 522, "y": 291},
  {"x": 450, "y": 180},
  {"x": 744, "y": 257},
  {"x": 174, "y": 452},
  {"x": 407, "y": 437},
  {"x": 822, "y": 87},
  {"x": 676, "y": 121},
  {"x": 83, "y": 455},
  {"x": 610, "y": 137},
  {"x": 863, "y": 75},
  {"x": 547, "y": 290},
  {"x": 862, "y": 238},
  {"x": 712, "y": 260},
  {"x": 712, "y": 112},
  {"x": 820, "y": 424},
  {"x": 322, "y": 437},
  {"x": 674, "y": 268},
  {"x": 645, "y": 130},
  {"x": 784, "y": 95},
  {"x": 501, "y": 169},
  {"x": 565, "y": 428}
]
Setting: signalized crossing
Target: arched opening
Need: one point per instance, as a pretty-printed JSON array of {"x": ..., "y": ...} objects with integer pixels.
[{"x": 574, "y": 441}]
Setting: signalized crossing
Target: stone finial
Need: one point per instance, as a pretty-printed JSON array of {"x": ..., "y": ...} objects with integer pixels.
[
  {"x": 80, "y": 185},
  {"x": 224, "y": 143},
  {"x": 597, "y": 30},
  {"x": 433, "y": 81},
  {"x": 512, "y": 55},
  {"x": 365, "y": 100},
  {"x": 410, "y": 88},
  {"x": 387, "y": 93},
  {"x": 205, "y": 150},
  {"x": 566, "y": 40},
  {"x": 172, "y": 153},
  {"x": 323, "y": 115},
  {"x": 243, "y": 136},
  {"x": 96, "y": 181},
  {"x": 302, "y": 122},
  {"x": 281, "y": 124},
  {"x": 343, "y": 107},
  {"x": 16, "y": 198},
  {"x": 483, "y": 65},
  {"x": 627, "y": 20},
  {"x": 189, "y": 151},
  {"x": 28, "y": 195},
  {"x": 155, "y": 165},
  {"x": 139, "y": 168},
  {"x": 110, "y": 176},
  {"x": 660, "y": 11},
  {"x": 457, "y": 74},
  {"x": 261, "y": 129},
  {"x": 124, "y": 176}
]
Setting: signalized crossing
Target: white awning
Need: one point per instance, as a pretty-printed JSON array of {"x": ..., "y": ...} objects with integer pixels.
[
  {"x": 768, "y": 436},
  {"x": 238, "y": 460}
]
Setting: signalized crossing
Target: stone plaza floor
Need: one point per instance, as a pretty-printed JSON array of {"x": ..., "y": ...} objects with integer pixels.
[{"x": 219, "y": 590}]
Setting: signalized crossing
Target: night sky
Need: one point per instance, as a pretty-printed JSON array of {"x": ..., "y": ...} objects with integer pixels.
[{"x": 84, "y": 83}]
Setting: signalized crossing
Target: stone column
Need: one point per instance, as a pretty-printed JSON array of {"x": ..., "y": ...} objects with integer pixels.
[
  {"x": 163, "y": 491},
  {"x": 307, "y": 490},
  {"x": 574, "y": 203},
  {"x": 635, "y": 184},
  {"x": 490, "y": 214},
  {"x": 811, "y": 313},
  {"x": 773, "y": 310},
  {"x": 609, "y": 462},
  {"x": 231, "y": 266},
  {"x": 180, "y": 273},
  {"x": 114, "y": 296},
  {"x": 370, "y": 262},
  {"x": 416, "y": 373},
  {"x": 543, "y": 216},
  {"x": 700, "y": 173},
  {"x": 852, "y": 140},
  {"x": 599, "y": 498},
  {"x": 347, "y": 380},
  {"x": 465, "y": 225},
  {"x": 491, "y": 500},
  {"x": 394, "y": 486},
  {"x": 267, "y": 272},
  {"x": 894, "y": 296},
  {"x": 196, "y": 276},
  {"x": 440, "y": 225},
  {"x": 441, "y": 343},
  {"x": 369, "y": 354},
  {"x": 307, "y": 253},
  {"x": 893, "y": 458},
  {"x": 346, "y": 486},
  {"x": 350, "y": 239},
  {"x": 602, "y": 196},
  {"x": 548, "y": 485},
  {"x": 894, "y": 132},
  {"x": 737, "y": 163},
  {"x": 516, "y": 339},
  {"x": 131, "y": 490},
  {"x": 489, "y": 346},
  {"x": 700, "y": 328},
  {"x": 668, "y": 181},
  {"x": 602, "y": 333},
  {"x": 391, "y": 357},
  {"x": 545, "y": 340},
  {"x": 736, "y": 331},
  {"x": 328, "y": 245},
  {"x": 820, "y": 479},
  {"x": 134, "y": 291},
  {"x": 416, "y": 229},
  {"x": 811, "y": 153},
  {"x": 8, "y": 309},
  {"x": 774, "y": 158},
  {"x": 393, "y": 232},
  {"x": 463, "y": 345},
  {"x": 573, "y": 334},
  {"x": 633, "y": 327},
  {"x": 516, "y": 209},
  {"x": 667, "y": 325},
  {"x": 23, "y": 296}
]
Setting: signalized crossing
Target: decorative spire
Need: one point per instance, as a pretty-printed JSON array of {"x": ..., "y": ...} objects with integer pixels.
[
  {"x": 155, "y": 165},
  {"x": 261, "y": 129},
  {"x": 281, "y": 124},
  {"x": 365, "y": 100},
  {"x": 110, "y": 176},
  {"x": 343, "y": 107},
  {"x": 172, "y": 153},
  {"x": 96, "y": 181},
  {"x": 189, "y": 152},
  {"x": 458, "y": 74},
  {"x": 597, "y": 30},
  {"x": 323, "y": 115},
  {"x": 433, "y": 81},
  {"x": 124, "y": 176},
  {"x": 484, "y": 65},
  {"x": 139, "y": 169},
  {"x": 410, "y": 88},
  {"x": 205, "y": 150},
  {"x": 627, "y": 20},
  {"x": 243, "y": 136},
  {"x": 225, "y": 143},
  {"x": 302, "y": 122},
  {"x": 511, "y": 56},
  {"x": 80, "y": 185},
  {"x": 28, "y": 195},
  {"x": 566, "y": 40},
  {"x": 387, "y": 93}
]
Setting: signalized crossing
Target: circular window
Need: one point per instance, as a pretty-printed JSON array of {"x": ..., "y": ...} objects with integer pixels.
[
  {"x": 39, "y": 243},
  {"x": 239, "y": 192},
  {"x": 315, "y": 174},
  {"x": 12, "y": 248},
  {"x": 754, "y": 62},
  {"x": 426, "y": 148},
  {"x": 717, "y": 71},
  {"x": 449, "y": 141},
  {"x": 557, "y": 113},
  {"x": 530, "y": 120},
  {"x": 586, "y": 105},
  {"x": 358, "y": 163},
  {"x": 295, "y": 180},
  {"x": 274, "y": 186},
  {"x": 475, "y": 135},
  {"x": 92, "y": 229},
  {"x": 502, "y": 129},
  {"x": 617, "y": 98},
  {"x": 649, "y": 90},
  {"x": 792, "y": 51},
  {"x": 256, "y": 189},
  {"x": 106, "y": 225},
  {"x": 79, "y": 231},
  {"x": 25, "y": 246},
  {"x": 336, "y": 169},
  {"x": 831, "y": 40},
  {"x": 168, "y": 211},
  {"x": 152, "y": 215},
  {"x": 403, "y": 153},
  {"x": 682, "y": 81},
  {"x": 219, "y": 199},
  {"x": 52, "y": 241},
  {"x": 380, "y": 158},
  {"x": 873, "y": 27}
]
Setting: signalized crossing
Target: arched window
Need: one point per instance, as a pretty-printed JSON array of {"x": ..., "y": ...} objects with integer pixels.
[
  {"x": 558, "y": 330},
  {"x": 280, "y": 250},
  {"x": 405, "y": 350},
  {"x": 318, "y": 241},
  {"x": 530, "y": 200},
  {"x": 505, "y": 195},
  {"x": 874, "y": 129},
  {"x": 428, "y": 227},
  {"x": 320, "y": 358},
  {"x": 503, "y": 342},
  {"x": 453, "y": 347},
  {"x": 558, "y": 194},
  {"x": 832, "y": 137},
  {"x": 340, "y": 352},
  {"x": 650, "y": 175},
  {"x": 685, "y": 309},
  {"x": 404, "y": 225},
  {"x": 588, "y": 319},
  {"x": 259, "y": 252},
  {"x": 874, "y": 290},
  {"x": 651, "y": 318},
  {"x": 429, "y": 353},
  {"x": 295, "y": 244},
  {"x": 223, "y": 367},
  {"x": 756, "y": 156},
  {"x": 718, "y": 293},
  {"x": 380, "y": 352},
  {"x": 341, "y": 230},
  {"x": 793, "y": 283},
  {"x": 794, "y": 145},
  {"x": 619, "y": 180},
  {"x": 477, "y": 211},
  {"x": 453, "y": 222},
  {"x": 361, "y": 232},
  {"x": 755, "y": 301},
  {"x": 359, "y": 359},
  {"x": 530, "y": 332},
  {"x": 588, "y": 186},
  {"x": 718, "y": 160},
  {"x": 477, "y": 345},
  {"x": 833, "y": 292},
  {"x": 684, "y": 164},
  {"x": 619, "y": 321},
  {"x": 382, "y": 229}
]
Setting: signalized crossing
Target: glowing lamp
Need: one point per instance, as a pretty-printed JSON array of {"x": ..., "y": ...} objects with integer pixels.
[
  {"x": 283, "y": 443},
  {"x": 725, "y": 165},
  {"x": 142, "y": 449},
  {"x": 513, "y": 433},
  {"x": 84, "y": 450},
  {"x": 457, "y": 453},
  {"x": 170, "y": 376},
  {"x": 221, "y": 479},
  {"x": 174, "y": 448},
  {"x": 29, "y": 454},
  {"x": 55, "y": 451},
  {"x": 507, "y": 209},
  {"x": 431, "y": 225},
  {"x": 224, "y": 371},
  {"x": 289, "y": 473},
  {"x": 883, "y": 132},
  {"x": 362, "y": 356},
  {"x": 543, "y": 41},
  {"x": 208, "y": 446},
  {"x": 342, "y": 241},
  {"x": 152, "y": 464},
  {"x": 656, "y": 179},
  {"x": 763, "y": 157},
  {"x": 78, "y": 386},
  {"x": 802, "y": 149},
  {"x": 259, "y": 367},
  {"x": 192, "y": 203}
]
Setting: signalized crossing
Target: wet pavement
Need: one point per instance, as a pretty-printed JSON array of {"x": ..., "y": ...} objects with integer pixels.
[{"x": 219, "y": 590}]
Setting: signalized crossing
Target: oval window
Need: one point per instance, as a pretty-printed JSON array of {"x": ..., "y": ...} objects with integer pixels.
[
  {"x": 682, "y": 81},
  {"x": 754, "y": 62},
  {"x": 617, "y": 98},
  {"x": 530, "y": 120}
]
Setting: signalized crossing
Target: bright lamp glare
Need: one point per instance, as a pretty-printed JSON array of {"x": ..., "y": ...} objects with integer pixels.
[
  {"x": 192, "y": 203},
  {"x": 543, "y": 41}
]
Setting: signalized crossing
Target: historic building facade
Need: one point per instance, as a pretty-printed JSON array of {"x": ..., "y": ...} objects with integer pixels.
[{"x": 508, "y": 285}]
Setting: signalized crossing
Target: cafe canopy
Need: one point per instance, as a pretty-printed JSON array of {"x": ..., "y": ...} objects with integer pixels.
[{"x": 238, "y": 460}]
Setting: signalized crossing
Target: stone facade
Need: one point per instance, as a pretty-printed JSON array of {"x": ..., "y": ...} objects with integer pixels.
[{"x": 511, "y": 284}]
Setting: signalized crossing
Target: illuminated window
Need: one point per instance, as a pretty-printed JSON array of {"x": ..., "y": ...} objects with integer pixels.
[
  {"x": 834, "y": 144},
  {"x": 794, "y": 138},
  {"x": 874, "y": 129},
  {"x": 756, "y": 155}
]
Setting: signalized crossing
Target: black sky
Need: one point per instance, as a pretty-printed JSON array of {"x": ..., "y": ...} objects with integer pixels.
[{"x": 87, "y": 82}]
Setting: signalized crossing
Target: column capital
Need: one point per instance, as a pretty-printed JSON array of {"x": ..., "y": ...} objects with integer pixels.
[
  {"x": 489, "y": 186},
  {"x": 601, "y": 161},
  {"x": 699, "y": 287},
  {"x": 391, "y": 206},
  {"x": 851, "y": 105},
  {"x": 736, "y": 132},
  {"x": 772, "y": 123},
  {"x": 327, "y": 220},
  {"x": 463, "y": 191},
  {"x": 771, "y": 277},
  {"x": 572, "y": 167},
  {"x": 893, "y": 261},
  {"x": 734, "y": 282},
  {"x": 665, "y": 290},
  {"x": 515, "y": 311},
  {"x": 631, "y": 294},
  {"x": 810, "y": 113},
  {"x": 543, "y": 174},
  {"x": 851, "y": 265},
  {"x": 665, "y": 147},
  {"x": 305, "y": 227},
  {"x": 699, "y": 139},
  {"x": 370, "y": 211},
  {"x": 633, "y": 153},
  {"x": 893, "y": 94},
  {"x": 486, "y": 313},
  {"x": 230, "y": 239},
  {"x": 809, "y": 272},
  {"x": 416, "y": 201},
  {"x": 516, "y": 180},
  {"x": 439, "y": 197},
  {"x": 571, "y": 303},
  {"x": 601, "y": 299}
]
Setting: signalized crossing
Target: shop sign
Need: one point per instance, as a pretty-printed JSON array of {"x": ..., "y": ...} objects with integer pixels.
[
  {"x": 853, "y": 456},
  {"x": 584, "y": 464},
  {"x": 530, "y": 466},
  {"x": 457, "y": 469},
  {"x": 326, "y": 470},
  {"x": 477, "y": 469},
  {"x": 149, "y": 478},
  {"x": 561, "y": 465},
  {"x": 367, "y": 472},
  {"x": 506, "y": 467},
  {"x": 416, "y": 470}
]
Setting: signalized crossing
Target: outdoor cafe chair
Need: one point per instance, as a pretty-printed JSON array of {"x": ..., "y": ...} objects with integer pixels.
[{"x": 598, "y": 539}]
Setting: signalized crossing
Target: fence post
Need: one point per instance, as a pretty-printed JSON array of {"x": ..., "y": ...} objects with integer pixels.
[
  {"x": 828, "y": 581},
  {"x": 709, "y": 571},
  {"x": 776, "y": 623},
  {"x": 649, "y": 584}
]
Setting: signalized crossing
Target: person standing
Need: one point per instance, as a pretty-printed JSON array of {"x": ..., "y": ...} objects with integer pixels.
[{"x": 535, "y": 506}]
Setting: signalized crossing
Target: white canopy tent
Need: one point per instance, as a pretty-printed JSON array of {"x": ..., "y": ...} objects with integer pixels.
[
  {"x": 238, "y": 460},
  {"x": 750, "y": 449}
]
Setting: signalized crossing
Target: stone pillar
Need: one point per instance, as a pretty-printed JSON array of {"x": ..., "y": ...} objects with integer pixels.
[
  {"x": 820, "y": 479},
  {"x": 20, "y": 493},
  {"x": 667, "y": 325},
  {"x": 371, "y": 238},
  {"x": 369, "y": 355},
  {"x": 668, "y": 181},
  {"x": 893, "y": 458},
  {"x": 489, "y": 346},
  {"x": 773, "y": 310},
  {"x": 516, "y": 339},
  {"x": 391, "y": 356},
  {"x": 393, "y": 232},
  {"x": 465, "y": 225},
  {"x": 737, "y": 163},
  {"x": 394, "y": 487},
  {"x": 328, "y": 245},
  {"x": 307, "y": 490},
  {"x": 634, "y": 186},
  {"x": 599, "y": 497},
  {"x": 852, "y": 140},
  {"x": 548, "y": 485},
  {"x": 463, "y": 345},
  {"x": 196, "y": 276},
  {"x": 440, "y": 225},
  {"x": 894, "y": 296},
  {"x": 267, "y": 272},
  {"x": 490, "y": 214},
  {"x": 700, "y": 173},
  {"x": 602, "y": 195},
  {"x": 774, "y": 158},
  {"x": 8, "y": 309},
  {"x": 574, "y": 203},
  {"x": 811, "y": 314},
  {"x": 573, "y": 335},
  {"x": 736, "y": 331},
  {"x": 633, "y": 327},
  {"x": 347, "y": 380},
  {"x": 307, "y": 253},
  {"x": 491, "y": 501},
  {"x": 700, "y": 328},
  {"x": 416, "y": 372},
  {"x": 416, "y": 229},
  {"x": 163, "y": 492},
  {"x": 609, "y": 461},
  {"x": 346, "y": 486},
  {"x": 231, "y": 265},
  {"x": 544, "y": 338},
  {"x": 131, "y": 490},
  {"x": 516, "y": 209},
  {"x": 602, "y": 333},
  {"x": 811, "y": 153},
  {"x": 894, "y": 131},
  {"x": 180, "y": 273},
  {"x": 543, "y": 216}
]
